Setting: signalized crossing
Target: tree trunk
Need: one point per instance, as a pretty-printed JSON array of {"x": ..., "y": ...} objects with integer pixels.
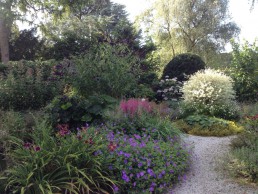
[{"x": 4, "y": 41}]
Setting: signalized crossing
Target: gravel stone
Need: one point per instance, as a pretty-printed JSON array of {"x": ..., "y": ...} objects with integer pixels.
[{"x": 202, "y": 178}]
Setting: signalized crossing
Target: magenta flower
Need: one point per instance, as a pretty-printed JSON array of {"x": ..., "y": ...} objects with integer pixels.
[
  {"x": 27, "y": 145},
  {"x": 37, "y": 148}
]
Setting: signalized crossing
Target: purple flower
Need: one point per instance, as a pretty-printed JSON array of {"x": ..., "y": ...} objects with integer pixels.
[
  {"x": 137, "y": 136},
  {"x": 142, "y": 173},
  {"x": 127, "y": 155},
  {"x": 110, "y": 136},
  {"x": 140, "y": 164},
  {"x": 115, "y": 188},
  {"x": 37, "y": 148},
  {"x": 120, "y": 153},
  {"x": 148, "y": 162},
  {"x": 134, "y": 184},
  {"x": 27, "y": 145},
  {"x": 150, "y": 171},
  {"x": 125, "y": 177},
  {"x": 151, "y": 189},
  {"x": 163, "y": 172},
  {"x": 125, "y": 161},
  {"x": 142, "y": 145}
]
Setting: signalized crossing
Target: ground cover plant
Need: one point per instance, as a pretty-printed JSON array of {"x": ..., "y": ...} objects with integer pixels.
[
  {"x": 244, "y": 151},
  {"x": 208, "y": 126}
]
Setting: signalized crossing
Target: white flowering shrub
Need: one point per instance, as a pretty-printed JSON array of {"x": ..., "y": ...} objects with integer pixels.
[
  {"x": 210, "y": 92},
  {"x": 169, "y": 89}
]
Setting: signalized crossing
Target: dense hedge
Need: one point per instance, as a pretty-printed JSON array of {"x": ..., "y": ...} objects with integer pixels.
[
  {"x": 183, "y": 65},
  {"x": 29, "y": 85}
]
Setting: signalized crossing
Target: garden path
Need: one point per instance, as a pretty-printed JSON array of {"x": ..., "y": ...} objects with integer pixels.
[{"x": 203, "y": 176}]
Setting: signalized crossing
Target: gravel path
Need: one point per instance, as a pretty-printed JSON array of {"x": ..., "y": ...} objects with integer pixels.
[{"x": 203, "y": 178}]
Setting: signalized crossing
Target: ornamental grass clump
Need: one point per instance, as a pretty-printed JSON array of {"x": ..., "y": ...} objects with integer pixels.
[{"x": 211, "y": 93}]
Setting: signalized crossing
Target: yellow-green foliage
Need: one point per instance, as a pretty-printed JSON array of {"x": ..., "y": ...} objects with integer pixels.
[{"x": 208, "y": 126}]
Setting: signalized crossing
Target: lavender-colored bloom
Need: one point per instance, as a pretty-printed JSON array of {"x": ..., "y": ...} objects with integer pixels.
[
  {"x": 142, "y": 173},
  {"x": 132, "y": 142},
  {"x": 154, "y": 130},
  {"x": 125, "y": 177},
  {"x": 111, "y": 136},
  {"x": 127, "y": 155},
  {"x": 134, "y": 184},
  {"x": 163, "y": 172},
  {"x": 140, "y": 164},
  {"x": 142, "y": 145},
  {"x": 150, "y": 171},
  {"x": 120, "y": 153},
  {"x": 151, "y": 189},
  {"x": 110, "y": 167},
  {"x": 125, "y": 161},
  {"x": 171, "y": 171},
  {"x": 137, "y": 136},
  {"x": 98, "y": 152},
  {"x": 148, "y": 162},
  {"x": 115, "y": 188}
]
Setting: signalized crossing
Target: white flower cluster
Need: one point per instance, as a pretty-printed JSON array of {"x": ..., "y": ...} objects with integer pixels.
[
  {"x": 170, "y": 89},
  {"x": 209, "y": 90}
]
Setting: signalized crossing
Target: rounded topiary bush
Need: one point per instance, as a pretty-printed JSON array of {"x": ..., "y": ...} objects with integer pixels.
[
  {"x": 211, "y": 93},
  {"x": 183, "y": 64}
]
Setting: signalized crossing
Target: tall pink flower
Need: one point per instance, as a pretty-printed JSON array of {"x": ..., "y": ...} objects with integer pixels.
[{"x": 134, "y": 106}]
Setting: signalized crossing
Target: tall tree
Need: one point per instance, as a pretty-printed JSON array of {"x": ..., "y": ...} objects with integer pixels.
[
  {"x": 202, "y": 27},
  {"x": 12, "y": 10},
  {"x": 6, "y": 19}
]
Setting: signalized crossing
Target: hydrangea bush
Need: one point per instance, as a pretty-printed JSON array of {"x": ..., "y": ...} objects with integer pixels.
[{"x": 210, "y": 92}]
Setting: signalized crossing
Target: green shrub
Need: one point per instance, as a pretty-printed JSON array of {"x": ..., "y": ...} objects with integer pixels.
[
  {"x": 28, "y": 85},
  {"x": 62, "y": 164},
  {"x": 211, "y": 93},
  {"x": 183, "y": 65},
  {"x": 244, "y": 153},
  {"x": 169, "y": 90},
  {"x": 76, "y": 111},
  {"x": 244, "y": 71},
  {"x": 105, "y": 69},
  {"x": 142, "y": 117},
  {"x": 208, "y": 126}
]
